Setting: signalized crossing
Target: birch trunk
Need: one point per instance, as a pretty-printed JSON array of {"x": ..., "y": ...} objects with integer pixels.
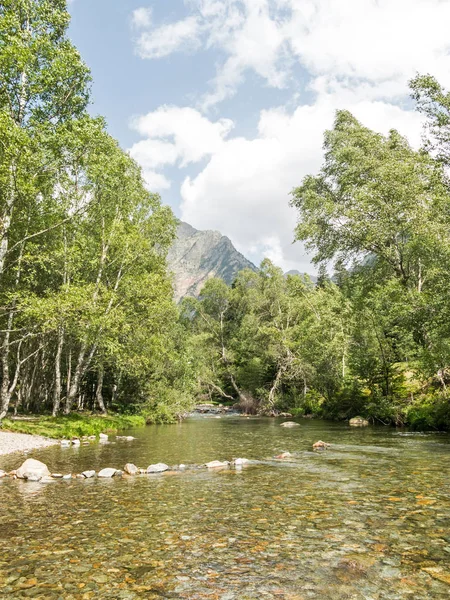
[
  {"x": 58, "y": 386},
  {"x": 99, "y": 391}
]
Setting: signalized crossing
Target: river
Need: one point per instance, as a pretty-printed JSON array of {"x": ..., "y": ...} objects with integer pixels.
[{"x": 367, "y": 519}]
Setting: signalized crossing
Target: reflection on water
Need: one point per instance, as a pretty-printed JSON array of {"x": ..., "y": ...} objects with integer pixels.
[{"x": 368, "y": 519}]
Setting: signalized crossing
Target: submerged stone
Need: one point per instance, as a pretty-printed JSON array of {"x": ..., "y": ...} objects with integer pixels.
[{"x": 290, "y": 424}]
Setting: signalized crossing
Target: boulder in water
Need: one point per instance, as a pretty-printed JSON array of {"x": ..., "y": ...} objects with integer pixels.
[
  {"x": 358, "y": 422},
  {"x": 321, "y": 445},
  {"x": 158, "y": 468},
  {"x": 284, "y": 455},
  {"x": 108, "y": 472},
  {"x": 241, "y": 461},
  {"x": 217, "y": 464},
  {"x": 88, "y": 474},
  {"x": 290, "y": 424},
  {"x": 131, "y": 469},
  {"x": 31, "y": 469}
]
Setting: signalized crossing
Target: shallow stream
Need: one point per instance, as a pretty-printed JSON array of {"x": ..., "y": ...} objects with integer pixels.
[{"x": 367, "y": 519}]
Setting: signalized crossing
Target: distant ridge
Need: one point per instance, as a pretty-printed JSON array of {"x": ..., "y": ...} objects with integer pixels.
[
  {"x": 197, "y": 256},
  {"x": 295, "y": 272}
]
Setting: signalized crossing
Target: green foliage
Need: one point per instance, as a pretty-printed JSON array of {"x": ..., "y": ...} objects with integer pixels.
[{"x": 86, "y": 312}]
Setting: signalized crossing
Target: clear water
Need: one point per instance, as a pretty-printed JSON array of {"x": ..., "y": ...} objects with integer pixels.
[{"x": 367, "y": 519}]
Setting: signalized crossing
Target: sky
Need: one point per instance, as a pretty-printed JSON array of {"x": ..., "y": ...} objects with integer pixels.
[{"x": 224, "y": 102}]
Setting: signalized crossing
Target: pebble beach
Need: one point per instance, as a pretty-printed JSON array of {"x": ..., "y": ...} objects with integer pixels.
[{"x": 22, "y": 442}]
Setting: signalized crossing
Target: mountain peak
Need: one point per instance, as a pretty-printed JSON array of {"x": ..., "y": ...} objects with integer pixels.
[{"x": 197, "y": 256}]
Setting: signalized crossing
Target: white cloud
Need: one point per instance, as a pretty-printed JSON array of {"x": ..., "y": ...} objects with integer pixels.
[
  {"x": 161, "y": 41},
  {"x": 142, "y": 18},
  {"x": 244, "y": 189},
  {"x": 175, "y": 135},
  {"x": 378, "y": 43},
  {"x": 357, "y": 54}
]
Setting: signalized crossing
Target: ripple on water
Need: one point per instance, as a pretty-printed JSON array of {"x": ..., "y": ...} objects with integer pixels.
[{"x": 368, "y": 519}]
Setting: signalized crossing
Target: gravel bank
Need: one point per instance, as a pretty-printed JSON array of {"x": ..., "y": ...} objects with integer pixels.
[{"x": 21, "y": 442}]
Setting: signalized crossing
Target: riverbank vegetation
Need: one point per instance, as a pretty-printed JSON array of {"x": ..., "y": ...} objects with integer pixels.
[
  {"x": 372, "y": 337},
  {"x": 87, "y": 319},
  {"x": 86, "y": 314}
]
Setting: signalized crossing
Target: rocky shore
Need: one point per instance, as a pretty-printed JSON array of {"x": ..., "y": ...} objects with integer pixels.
[{"x": 22, "y": 442}]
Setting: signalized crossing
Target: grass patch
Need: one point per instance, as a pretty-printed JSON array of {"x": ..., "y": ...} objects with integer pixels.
[{"x": 74, "y": 425}]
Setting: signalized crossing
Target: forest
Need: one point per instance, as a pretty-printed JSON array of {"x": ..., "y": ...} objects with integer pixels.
[{"x": 87, "y": 319}]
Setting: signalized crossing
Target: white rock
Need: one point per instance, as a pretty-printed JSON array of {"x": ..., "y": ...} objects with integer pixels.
[
  {"x": 47, "y": 480},
  {"x": 31, "y": 477},
  {"x": 290, "y": 424},
  {"x": 216, "y": 464},
  {"x": 2, "y": 474},
  {"x": 127, "y": 438},
  {"x": 57, "y": 475},
  {"x": 108, "y": 472},
  {"x": 241, "y": 461},
  {"x": 118, "y": 473},
  {"x": 32, "y": 467},
  {"x": 92, "y": 437},
  {"x": 88, "y": 474},
  {"x": 158, "y": 468},
  {"x": 182, "y": 467},
  {"x": 65, "y": 443},
  {"x": 76, "y": 442},
  {"x": 103, "y": 436},
  {"x": 69, "y": 476},
  {"x": 131, "y": 469}
]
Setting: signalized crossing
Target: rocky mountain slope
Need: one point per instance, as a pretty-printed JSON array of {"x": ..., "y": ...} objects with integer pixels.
[{"x": 196, "y": 256}]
